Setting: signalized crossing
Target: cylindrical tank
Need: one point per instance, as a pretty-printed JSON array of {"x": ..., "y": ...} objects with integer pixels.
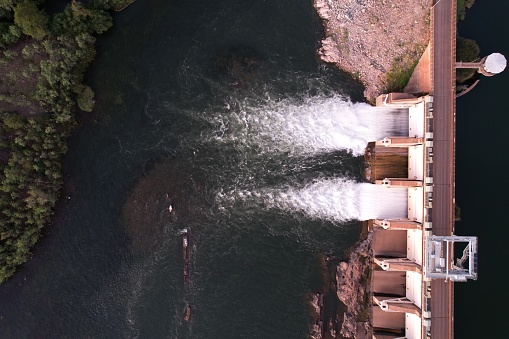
[{"x": 494, "y": 63}]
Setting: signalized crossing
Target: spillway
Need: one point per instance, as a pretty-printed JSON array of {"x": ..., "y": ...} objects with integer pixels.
[
  {"x": 306, "y": 125},
  {"x": 336, "y": 200}
]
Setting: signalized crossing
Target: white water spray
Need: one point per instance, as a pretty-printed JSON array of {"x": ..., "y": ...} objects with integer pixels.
[
  {"x": 309, "y": 125},
  {"x": 337, "y": 200}
]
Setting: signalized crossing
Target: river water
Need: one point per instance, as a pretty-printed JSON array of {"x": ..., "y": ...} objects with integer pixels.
[
  {"x": 481, "y": 131},
  {"x": 220, "y": 109}
]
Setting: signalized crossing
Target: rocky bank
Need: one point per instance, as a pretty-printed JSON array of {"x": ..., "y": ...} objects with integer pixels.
[
  {"x": 370, "y": 38},
  {"x": 349, "y": 281},
  {"x": 353, "y": 289}
]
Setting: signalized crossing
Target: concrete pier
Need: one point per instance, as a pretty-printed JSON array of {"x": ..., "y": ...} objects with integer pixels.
[
  {"x": 399, "y": 141},
  {"x": 397, "y": 264},
  {"x": 399, "y": 182},
  {"x": 414, "y": 267},
  {"x": 400, "y": 305},
  {"x": 396, "y": 224}
]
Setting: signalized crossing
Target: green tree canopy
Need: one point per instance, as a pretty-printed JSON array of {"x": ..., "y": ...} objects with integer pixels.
[
  {"x": 39, "y": 96},
  {"x": 462, "y": 6},
  {"x": 32, "y": 21},
  {"x": 86, "y": 99},
  {"x": 6, "y": 4},
  {"x": 77, "y": 19},
  {"x": 466, "y": 50}
]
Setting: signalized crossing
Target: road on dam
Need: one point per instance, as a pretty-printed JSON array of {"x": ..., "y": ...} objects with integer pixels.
[{"x": 443, "y": 90}]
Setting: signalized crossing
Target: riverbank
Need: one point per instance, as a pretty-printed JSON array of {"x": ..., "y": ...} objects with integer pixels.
[
  {"x": 45, "y": 57},
  {"x": 377, "y": 42},
  {"x": 342, "y": 308},
  {"x": 353, "y": 289}
]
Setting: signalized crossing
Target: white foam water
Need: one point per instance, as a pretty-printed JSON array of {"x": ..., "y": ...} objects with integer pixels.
[
  {"x": 307, "y": 125},
  {"x": 337, "y": 200}
]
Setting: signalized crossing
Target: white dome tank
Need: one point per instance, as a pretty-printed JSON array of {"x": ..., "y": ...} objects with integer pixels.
[{"x": 495, "y": 63}]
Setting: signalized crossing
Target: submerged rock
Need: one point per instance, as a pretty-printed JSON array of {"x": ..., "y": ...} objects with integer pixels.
[
  {"x": 317, "y": 304},
  {"x": 240, "y": 64}
]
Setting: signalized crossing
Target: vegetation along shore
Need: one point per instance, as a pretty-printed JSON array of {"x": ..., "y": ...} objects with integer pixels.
[{"x": 44, "y": 55}]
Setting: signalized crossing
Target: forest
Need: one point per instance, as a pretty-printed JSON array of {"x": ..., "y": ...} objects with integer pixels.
[{"x": 45, "y": 52}]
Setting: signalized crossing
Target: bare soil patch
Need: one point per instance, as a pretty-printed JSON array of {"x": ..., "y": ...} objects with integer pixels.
[
  {"x": 371, "y": 38},
  {"x": 20, "y": 69}
]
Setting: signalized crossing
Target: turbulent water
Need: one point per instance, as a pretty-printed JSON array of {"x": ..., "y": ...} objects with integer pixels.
[
  {"x": 337, "y": 200},
  {"x": 220, "y": 110},
  {"x": 307, "y": 125}
]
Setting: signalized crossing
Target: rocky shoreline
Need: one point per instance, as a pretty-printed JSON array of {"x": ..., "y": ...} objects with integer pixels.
[
  {"x": 349, "y": 286},
  {"x": 374, "y": 41},
  {"x": 371, "y": 38},
  {"x": 353, "y": 289}
]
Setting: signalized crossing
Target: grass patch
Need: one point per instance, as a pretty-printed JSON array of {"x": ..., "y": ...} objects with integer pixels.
[
  {"x": 373, "y": 19},
  {"x": 402, "y": 68},
  {"x": 398, "y": 76},
  {"x": 340, "y": 36}
]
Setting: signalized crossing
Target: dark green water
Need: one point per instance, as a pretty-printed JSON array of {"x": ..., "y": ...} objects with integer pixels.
[
  {"x": 482, "y": 122},
  {"x": 111, "y": 264}
]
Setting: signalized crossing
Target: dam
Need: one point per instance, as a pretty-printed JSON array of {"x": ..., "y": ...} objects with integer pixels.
[
  {"x": 414, "y": 267},
  {"x": 418, "y": 258},
  {"x": 255, "y": 262}
]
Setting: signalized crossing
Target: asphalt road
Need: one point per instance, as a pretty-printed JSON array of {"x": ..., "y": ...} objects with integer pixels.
[{"x": 443, "y": 89}]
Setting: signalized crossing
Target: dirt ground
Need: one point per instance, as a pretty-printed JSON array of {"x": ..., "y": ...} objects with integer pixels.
[
  {"x": 20, "y": 74},
  {"x": 368, "y": 38}
]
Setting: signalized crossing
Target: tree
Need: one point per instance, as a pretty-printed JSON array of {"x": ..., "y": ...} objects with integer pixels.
[
  {"x": 6, "y": 4},
  {"x": 100, "y": 21},
  {"x": 13, "y": 121},
  {"x": 466, "y": 50},
  {"x": 86, "y": 99},
  {"x": 462, "y": 6},
  {"x": 77, "y": 19},
  {"x": 9, "y": 34},
  {"x": 32, "y": 145},
  {"x": 32, "y": 21}
]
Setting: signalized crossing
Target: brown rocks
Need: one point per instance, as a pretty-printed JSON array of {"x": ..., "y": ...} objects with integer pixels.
[
  {"x": 353, "y": 288},
  {"x": 317, "y": 303},
  {"x": 368, "y": 38},
  {"x": 349, "y": 281},
  {"x": 322, "y": 7},
  {"x": 329, "y": 51}
]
